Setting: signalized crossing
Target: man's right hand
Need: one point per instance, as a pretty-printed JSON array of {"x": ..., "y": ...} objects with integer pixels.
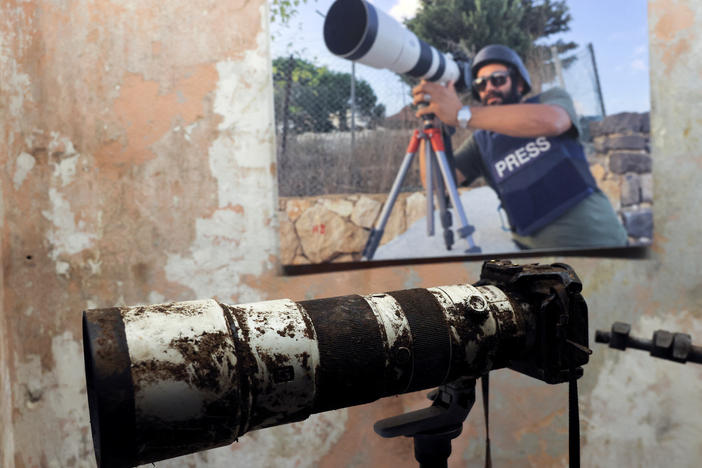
[{"x": 443, "y": 101}]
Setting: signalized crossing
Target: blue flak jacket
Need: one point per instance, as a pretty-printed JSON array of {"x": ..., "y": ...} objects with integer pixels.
[{"x": 536, "y": 179}]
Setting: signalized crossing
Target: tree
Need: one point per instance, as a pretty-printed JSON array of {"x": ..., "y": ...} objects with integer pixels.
[
  {"x": 282, "y": 10},
  {"x": 463, "y": 27},
  {"x": 316, "y": 99}
]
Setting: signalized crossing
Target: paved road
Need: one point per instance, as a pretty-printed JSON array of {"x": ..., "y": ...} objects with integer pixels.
[{"x": 480, "y": 206}]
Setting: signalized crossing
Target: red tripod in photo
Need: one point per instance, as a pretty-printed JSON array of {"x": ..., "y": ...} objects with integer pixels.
[{"x": 439, "y": 180}]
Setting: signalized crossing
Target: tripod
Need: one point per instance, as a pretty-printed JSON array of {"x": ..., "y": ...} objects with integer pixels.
[
  {"x": 434, "y": 427},
  {"x": 439, "y": 180}
]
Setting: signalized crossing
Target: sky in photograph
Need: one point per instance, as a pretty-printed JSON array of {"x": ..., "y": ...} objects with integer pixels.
[{"x": 617, "y": 29}]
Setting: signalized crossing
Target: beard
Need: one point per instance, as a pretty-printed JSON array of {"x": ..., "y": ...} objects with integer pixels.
[{"x": 509, "y": 97}]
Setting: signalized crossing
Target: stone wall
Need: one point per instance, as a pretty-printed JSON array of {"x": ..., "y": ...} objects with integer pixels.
[
  {"x": 621, "y": 163},
  {"x": 335, "y": 228}
]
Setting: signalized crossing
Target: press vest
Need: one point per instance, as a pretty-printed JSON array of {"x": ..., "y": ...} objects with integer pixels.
[{"x": 537, "y": 179}]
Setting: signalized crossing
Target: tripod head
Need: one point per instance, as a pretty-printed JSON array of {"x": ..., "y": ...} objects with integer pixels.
[
  {"x": 434, "y": 427},
  {"x": 427, "y": 119}
]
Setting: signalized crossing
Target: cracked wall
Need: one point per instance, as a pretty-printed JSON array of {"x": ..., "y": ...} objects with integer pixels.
[{"x": 138, "y": 167}]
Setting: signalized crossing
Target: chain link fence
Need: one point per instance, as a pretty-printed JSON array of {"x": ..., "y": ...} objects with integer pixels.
[
  {"x": 576, "y": 72},
  {"x": 340, "y": 127},
  {"x": 344, "y": 128}
]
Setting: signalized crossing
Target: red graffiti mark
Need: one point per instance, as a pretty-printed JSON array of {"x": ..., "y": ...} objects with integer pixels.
[{"x": 319, "y": 228}]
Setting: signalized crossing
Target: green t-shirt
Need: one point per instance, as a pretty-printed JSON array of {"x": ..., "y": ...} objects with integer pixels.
[{"x": 591, "y": 223}]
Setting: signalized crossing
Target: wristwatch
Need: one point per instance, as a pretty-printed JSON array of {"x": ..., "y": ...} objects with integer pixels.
[{"x": 464, "y": 116}]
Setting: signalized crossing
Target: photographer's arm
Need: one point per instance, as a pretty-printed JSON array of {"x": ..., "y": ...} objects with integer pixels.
[{"x": 517, "y": 120}]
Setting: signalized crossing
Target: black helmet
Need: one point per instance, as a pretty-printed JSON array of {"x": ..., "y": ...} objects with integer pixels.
[{"x": 502, "y": 54}]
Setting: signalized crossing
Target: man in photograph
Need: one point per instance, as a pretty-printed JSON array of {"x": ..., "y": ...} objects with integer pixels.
[{"x": 528, "y": 151}]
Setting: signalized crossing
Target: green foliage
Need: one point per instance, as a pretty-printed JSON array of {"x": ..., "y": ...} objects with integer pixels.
[
  {"x": 317, "y": 97},
  {"x": 467, "y": 25},
  {"x": 463, "y": 27},
  {"x": 282, "y": 10}
]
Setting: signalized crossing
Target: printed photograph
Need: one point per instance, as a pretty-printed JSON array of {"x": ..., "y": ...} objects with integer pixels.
[{"x": 414, "y": 129}]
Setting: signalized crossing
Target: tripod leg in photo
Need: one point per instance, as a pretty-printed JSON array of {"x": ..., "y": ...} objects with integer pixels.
[
  {"x": 444, "y": 213},
  {"x": 429, "y": 172},
  {"x": 466, "y": 230},
  {"x": 377, "y": 232}
]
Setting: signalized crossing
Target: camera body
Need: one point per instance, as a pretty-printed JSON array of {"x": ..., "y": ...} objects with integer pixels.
[{"x": 557, "y": 346}]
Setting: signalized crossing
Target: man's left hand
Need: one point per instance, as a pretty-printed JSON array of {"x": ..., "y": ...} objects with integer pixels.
[{"x": 443, "y": 101}]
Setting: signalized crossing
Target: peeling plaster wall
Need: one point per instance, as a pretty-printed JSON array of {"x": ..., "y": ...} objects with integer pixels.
[{"x": 138, "y": 166}]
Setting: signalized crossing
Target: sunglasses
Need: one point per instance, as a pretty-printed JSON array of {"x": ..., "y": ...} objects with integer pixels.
[{"x": 497, "y": 79}]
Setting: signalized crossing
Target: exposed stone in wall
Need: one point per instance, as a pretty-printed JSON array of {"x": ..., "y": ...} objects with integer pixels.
[
  {"x": 365, "y": 211},
  {"x": 625, "y": 123},
  {"x": 335, "y": 228},
  {"x": 622, "y": 162},
  {"x": 325, "y": 234},
  {"x": 288, "y": 237},
  {"x": 638, "y": 222},
  {"x": 622, "y": 167}
]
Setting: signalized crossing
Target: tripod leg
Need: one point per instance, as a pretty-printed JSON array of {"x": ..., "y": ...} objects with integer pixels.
[
  {"x": 466, "y": 229},
  {"x": 429, "y": 174},
  {"x": 377, "y": 232},
  {"x": 444, "y": 213}
]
